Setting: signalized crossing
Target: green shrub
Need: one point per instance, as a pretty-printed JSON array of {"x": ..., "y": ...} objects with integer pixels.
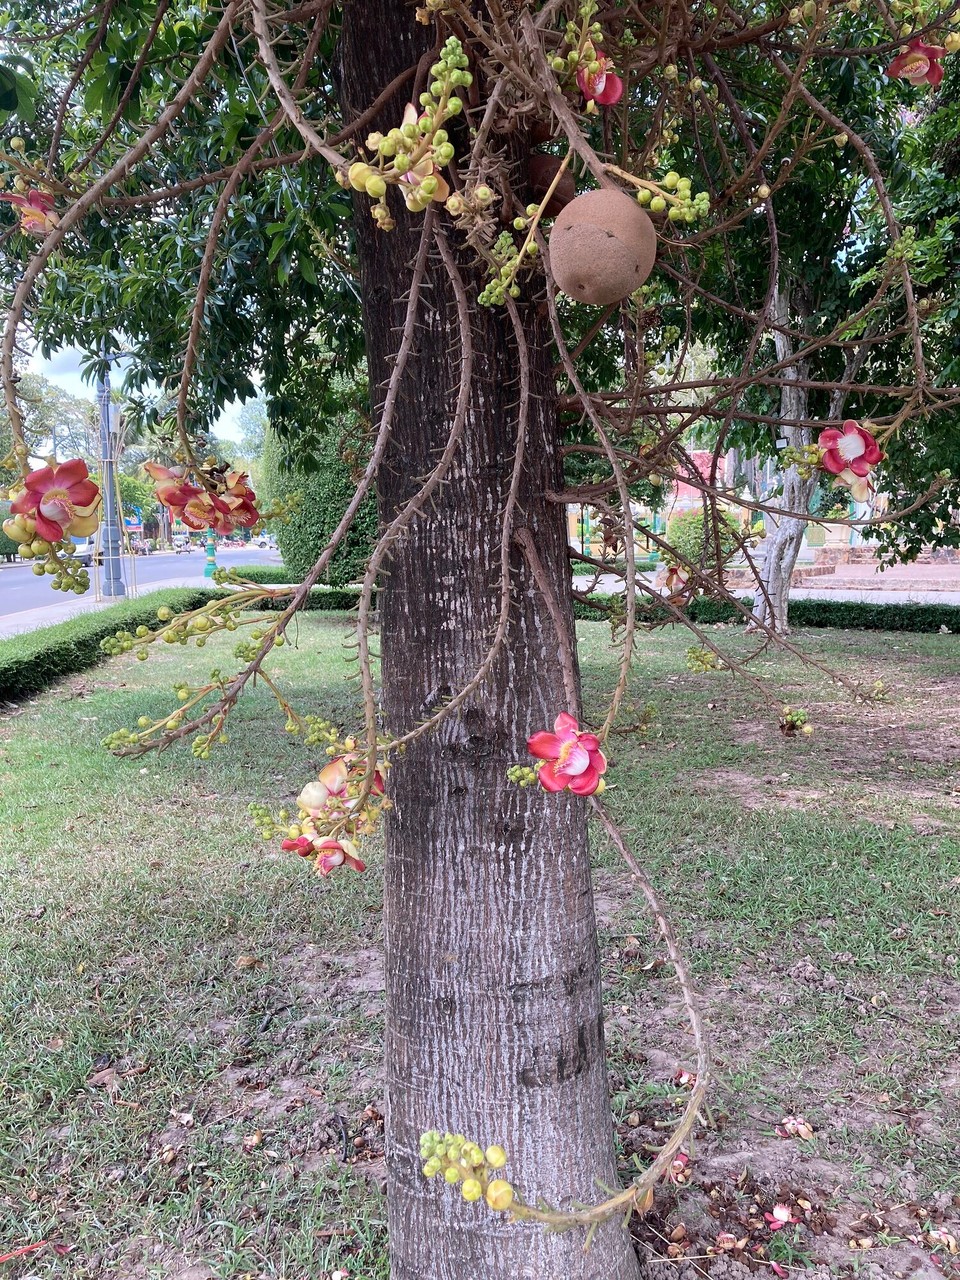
[
  {"x": 268, "y": 574},
  {"x": 320, "y": 600},
  {"x": 865, "y": 615},
  {"x": 852, "y": 615},
  {"x": 326, "y": 494},
  {"x": 37, "y": 659},
  {"x": 695, "y": 542}
]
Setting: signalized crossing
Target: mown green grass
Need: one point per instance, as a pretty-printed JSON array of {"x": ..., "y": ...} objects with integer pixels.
[{"x": 130, "y": 890}]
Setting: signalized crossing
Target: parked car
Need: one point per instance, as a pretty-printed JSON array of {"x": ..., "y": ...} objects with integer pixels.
[
  {"x": 266, "y": 542},
  {"x": 87, "y": 550}
]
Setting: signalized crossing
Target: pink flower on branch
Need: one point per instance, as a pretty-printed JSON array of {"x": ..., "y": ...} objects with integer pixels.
[
  {"x": 850, "y": 448},
  {"x": 573, "y": 760},
  {"x": 919, "y": 63},
  {"x": 199, "y": 509},
  {"x": 602, "y": 86},
  {"x": 329, "y": 853},
  {"x": 330, "y": 793},
  {"x": 35, "y": 211},
  {"x": 62, "y": 500}
]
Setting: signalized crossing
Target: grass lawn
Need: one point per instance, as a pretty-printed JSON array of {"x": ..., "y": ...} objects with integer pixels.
[{"x": 190, "y": 1022}]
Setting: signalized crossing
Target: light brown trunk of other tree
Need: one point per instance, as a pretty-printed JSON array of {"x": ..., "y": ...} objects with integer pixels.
[
  {"x": 784, "y": 537},
  {"x": 493, "y": 1017}
]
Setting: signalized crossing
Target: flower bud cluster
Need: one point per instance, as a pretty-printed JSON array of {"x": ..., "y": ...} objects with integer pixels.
[
  {"x": 50, "y": 559},
  {"x": 703, "y": 660},
  {"x": 673, "y": 195},
  {"x": 806, "y": 458},
  {"x": 795, "y": 720},
  {"x": 462, "y": 1163},
  {"x": 412, "y": 155},
  {"x": 522, "y": 774},
  {"x": 340, "y": 805},
  {"x": 505, "y": 262},
  {"x": 581, "y": 40}
]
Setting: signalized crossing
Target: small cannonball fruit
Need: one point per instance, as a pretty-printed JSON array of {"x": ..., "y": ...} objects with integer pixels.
[
  {"x": 602, "y": 247},
  {"x": 499, "y": 1194}
]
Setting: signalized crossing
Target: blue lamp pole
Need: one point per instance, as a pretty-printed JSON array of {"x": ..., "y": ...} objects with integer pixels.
[{"x": 113, "y": 584}]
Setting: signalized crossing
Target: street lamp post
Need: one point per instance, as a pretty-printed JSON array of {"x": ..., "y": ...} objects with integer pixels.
[
  {"x": 211, "y": 566},
  {"x": 113, "y": 584}
]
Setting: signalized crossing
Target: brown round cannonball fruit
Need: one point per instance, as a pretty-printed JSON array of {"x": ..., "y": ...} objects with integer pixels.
[
  {"x": 541, "y": 170},
  {"x": 602, "y": 247}
]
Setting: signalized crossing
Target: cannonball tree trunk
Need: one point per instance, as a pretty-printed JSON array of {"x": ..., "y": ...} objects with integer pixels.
[{"x": 493, "y": 1015}]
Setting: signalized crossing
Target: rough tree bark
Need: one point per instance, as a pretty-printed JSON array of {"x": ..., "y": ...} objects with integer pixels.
[{"x": 494, "y": 1024}]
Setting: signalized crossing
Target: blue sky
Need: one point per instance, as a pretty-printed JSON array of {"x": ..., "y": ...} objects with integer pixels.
[{"x": 63, "y": 369}]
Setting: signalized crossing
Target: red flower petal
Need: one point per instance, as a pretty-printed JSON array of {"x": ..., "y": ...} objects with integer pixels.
[
  {"x": 41, "y": 480},
  {"x": 586, "y": 784},
  {"x": 24, "y": 504},
  {"x": 833, "y": 463},
  {"x": 71, "y": 473},
  {"x": 544, "y": 745},
  {"x": 548, "y": 779},
  {"x": 565, "y": 724},
  {"x": 48, "y": 529},
  {"x": 83, "y": 493},
  {"x": 612, "y": 90}
]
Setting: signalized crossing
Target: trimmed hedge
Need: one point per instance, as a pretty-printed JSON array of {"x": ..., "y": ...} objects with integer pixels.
[
  {"x": 267, "y": 574},
  {"x": 852, "y": 615},
  {"x": 31, "y": 662},
  {"x": 320, "y": 600}
]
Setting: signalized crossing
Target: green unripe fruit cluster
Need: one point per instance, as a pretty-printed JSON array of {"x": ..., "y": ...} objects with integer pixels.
[{"x": 458, "y": 1160}]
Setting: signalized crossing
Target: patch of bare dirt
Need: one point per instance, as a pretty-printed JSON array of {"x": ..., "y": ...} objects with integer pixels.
[{"x": 758, "y": 793}]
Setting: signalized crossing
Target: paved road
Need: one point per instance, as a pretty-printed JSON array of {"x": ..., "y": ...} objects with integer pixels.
[{"x": 22, "y": 589}]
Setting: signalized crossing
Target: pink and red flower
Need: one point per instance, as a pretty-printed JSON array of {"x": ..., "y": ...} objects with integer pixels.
[
  {"x": 919, "y": 63},
  {"x": 676, "y": 580},
  {"x": 61, "y": 500},
  {"x": 852, "y": 447},
  {"x": 573, "y": 760},
  {"x": 329, "y": 794},
  {"x": 781, "y": 1216},
  {"x": 602, "y": 87},
  {"x": 197, "y": 508},
  {"x": 35, "y": 211},
  {"x": 330, "y": 853}
]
